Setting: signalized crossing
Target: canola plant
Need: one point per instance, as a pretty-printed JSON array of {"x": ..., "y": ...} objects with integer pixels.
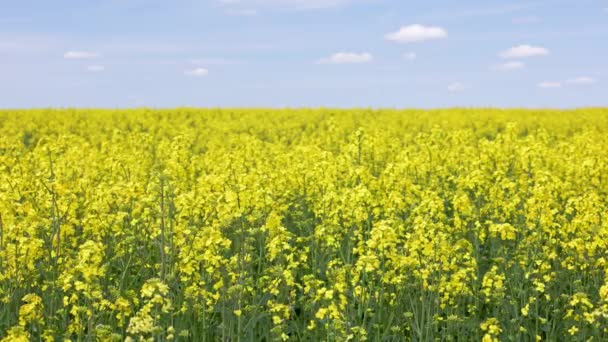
[{"x": 303, "y": 225}]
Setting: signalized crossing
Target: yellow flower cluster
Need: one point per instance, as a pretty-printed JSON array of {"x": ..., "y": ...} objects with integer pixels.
[
  {"x": 491, "y": 328},
  {"x": 303, "y": 225}
]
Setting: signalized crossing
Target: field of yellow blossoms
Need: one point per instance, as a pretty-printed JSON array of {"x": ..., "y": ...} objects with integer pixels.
[{"x": 303, "y": 225}]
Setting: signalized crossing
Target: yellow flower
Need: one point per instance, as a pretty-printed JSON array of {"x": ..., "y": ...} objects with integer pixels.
[
  {"x": 31, "y": 311},
  {"x": 491, "y": 326},
  {"x": 573, "y": 330},
  {"x": 321, "y": 313},
  {"x": 488, "y": 338},
  {"x": 16, "y": 334}
]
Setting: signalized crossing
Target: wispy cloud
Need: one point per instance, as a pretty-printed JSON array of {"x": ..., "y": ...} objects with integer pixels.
[
  {"x": 578, "y": 81},
  {"x": 524, "y": 50},
  {"x": 143, "y": 45},
  {"x": 96, "y": 68},
  {"x": 347, "y": 58},
  {"x": 80, "y": 55},
  {"x": 197, "y": 72},
  {"x": 409, "y": 56},
  {"x": 583, "y": 80},
  {"x": 416, "y": 33},
  {"x": 27, "y": 43},
  {"x": 549, "y": 85},
  {"x": 509, "y": 66},
  {"x": 479, "y": 11},
  {"x": 500, "y": 10},
  {"x": 456, "y": 87}
]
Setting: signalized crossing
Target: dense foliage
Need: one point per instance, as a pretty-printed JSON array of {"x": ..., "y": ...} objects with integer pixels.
[{"x": 304, "y": 225}]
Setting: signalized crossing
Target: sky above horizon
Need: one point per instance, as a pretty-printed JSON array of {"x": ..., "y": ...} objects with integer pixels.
[{"x": 303, "y": 53}]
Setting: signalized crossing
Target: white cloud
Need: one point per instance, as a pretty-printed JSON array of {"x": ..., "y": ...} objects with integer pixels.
[
  {"x": 409, "y": 56},
  {"x": 80, "y": 55},
  {"x": 96, "y": 68},
  {"x": 416, "y": 33},
  {"x": 347, "y": 58},
  {"x": 548, "y": 85},
  {"x": 197, "y": 72},
  {"x": 509, "y": 66},
  {"x": 456, "y": 87},
  {"x": 524, "y": 51},
  {"x": 581, "y": 81}
]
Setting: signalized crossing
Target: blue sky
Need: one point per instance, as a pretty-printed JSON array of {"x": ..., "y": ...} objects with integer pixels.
[{"x": 303, "y": 53}]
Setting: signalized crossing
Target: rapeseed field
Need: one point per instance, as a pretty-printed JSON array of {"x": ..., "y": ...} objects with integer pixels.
[{"x": 303, "y": 225}]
